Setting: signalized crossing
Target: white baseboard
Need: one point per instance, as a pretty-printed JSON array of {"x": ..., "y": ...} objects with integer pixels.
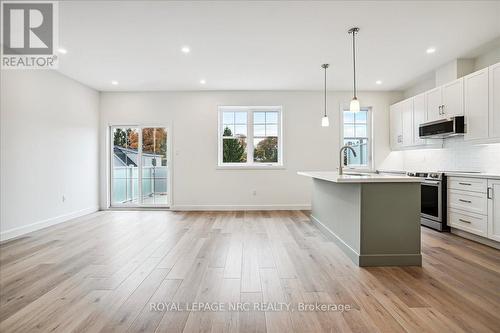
[
  {"x": 15, "y": 232},
  {"x": 239, "y": 207}
]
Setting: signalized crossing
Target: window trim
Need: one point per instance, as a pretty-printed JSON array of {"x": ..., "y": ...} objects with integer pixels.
[
  {"x": 250, "y": 164},
  {"x": 370, "y": 135}
]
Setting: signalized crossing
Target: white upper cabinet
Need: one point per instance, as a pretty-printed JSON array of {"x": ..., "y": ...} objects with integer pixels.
[
  {"x": 494, "y": 105},
  {"x": 453, "y": 99},
  {"x": 475, "y": 96},
  {"x": 446, "y": 101},
  {"x": 434, "y": 104},
  {"x": 419, "y": 117},
  {"x": 401, "y": 124},
  {"x": 407, "y": 121},
  {"x": 396, "y": 126},
  {"x": 476, "y": 104}
]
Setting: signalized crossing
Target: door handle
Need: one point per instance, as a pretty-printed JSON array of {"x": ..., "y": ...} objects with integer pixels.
[
  {"x": 490, "y": 193},
  {"x": 465, "y": 221},
  {"x": 467, "y": 201}
]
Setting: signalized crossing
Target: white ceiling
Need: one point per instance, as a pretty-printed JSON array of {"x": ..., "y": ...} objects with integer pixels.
[{"x": 249, "y": 45}]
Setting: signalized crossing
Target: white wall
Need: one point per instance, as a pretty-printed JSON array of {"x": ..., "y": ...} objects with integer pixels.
[
  {"x": 452, "y": 70},
  {"x": 49, "y": 148},
  {"x": 199, "y": 184},
  {"x": 424, "y": 83},
  {"x": 487, "y": 59}
]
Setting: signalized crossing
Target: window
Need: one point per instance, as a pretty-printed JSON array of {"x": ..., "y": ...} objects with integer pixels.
[
  {"x": 356, "y": 132},
  {"x": 250, "y": 136}
]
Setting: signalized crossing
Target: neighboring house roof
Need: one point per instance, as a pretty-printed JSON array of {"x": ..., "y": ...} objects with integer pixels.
[{"x": 128, "y": 156}]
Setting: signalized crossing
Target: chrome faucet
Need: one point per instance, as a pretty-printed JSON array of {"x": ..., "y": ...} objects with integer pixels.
[{"x": 341, "y": 164}]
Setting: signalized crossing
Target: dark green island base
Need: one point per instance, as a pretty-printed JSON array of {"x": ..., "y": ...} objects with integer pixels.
[{"x": 374, "y": 223}]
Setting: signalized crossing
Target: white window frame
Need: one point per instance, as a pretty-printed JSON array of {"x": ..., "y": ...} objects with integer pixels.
[
  {"x": 250, "y": 164},
  {"x": 369, "y": 128}
]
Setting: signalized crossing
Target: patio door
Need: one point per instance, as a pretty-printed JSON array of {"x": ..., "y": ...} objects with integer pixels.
[{"x": 139, "y": 166}]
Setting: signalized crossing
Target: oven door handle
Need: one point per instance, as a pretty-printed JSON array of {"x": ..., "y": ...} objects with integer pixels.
[{"x": 427, "y": 182}]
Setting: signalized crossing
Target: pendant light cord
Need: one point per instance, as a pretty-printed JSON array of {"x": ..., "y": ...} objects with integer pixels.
[
  {"x": 354, "y": 59},
  {"x": 325, "y": 90}
]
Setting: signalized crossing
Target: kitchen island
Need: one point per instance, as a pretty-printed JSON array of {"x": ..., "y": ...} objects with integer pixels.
[{"x": 375, "y": 219}]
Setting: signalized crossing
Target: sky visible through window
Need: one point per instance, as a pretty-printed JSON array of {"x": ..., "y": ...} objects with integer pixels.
[{"x": 356, "y": 132}]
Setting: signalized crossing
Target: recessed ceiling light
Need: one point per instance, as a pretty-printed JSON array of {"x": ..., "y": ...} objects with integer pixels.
[
  {"x": 185, "y": 49},
  {"x": 62, "y": 50},
  {"x": 114, "y": 82},
  {"x": 430, "y": 50},
  {"x": 202, "y": 81},
  {"x": 378, "y": 82}
]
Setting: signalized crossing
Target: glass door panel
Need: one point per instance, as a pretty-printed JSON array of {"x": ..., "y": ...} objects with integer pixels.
[
  {"x": 125, "y": 171},
  {"x": 154, "y": 166}
]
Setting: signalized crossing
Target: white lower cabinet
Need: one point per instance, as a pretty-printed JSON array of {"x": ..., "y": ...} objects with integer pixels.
[
  {"x": 474, "y": 223},
  {"x": 472, "y": 202},
  {"x": 494, "y": 209},
  {"x": 474, "y": 206}
]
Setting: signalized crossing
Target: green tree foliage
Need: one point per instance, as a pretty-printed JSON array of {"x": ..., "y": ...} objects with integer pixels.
[
  {"x": 154, "y": 141},
  {"x": 233, "y": 150},
  {"x": 266, "y": 150},
  {"x": 126, "y": 139},
  {"x": 120, "y": 138}
]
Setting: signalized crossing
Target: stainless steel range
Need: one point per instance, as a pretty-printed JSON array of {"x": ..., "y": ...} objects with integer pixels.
[{"x": 433, "y": 199}]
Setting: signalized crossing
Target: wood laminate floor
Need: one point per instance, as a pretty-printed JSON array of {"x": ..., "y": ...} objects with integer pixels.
[{"x": 110, "y": 271}]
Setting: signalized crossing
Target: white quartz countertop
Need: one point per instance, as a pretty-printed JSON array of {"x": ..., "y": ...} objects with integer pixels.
[
  {"x": 333, "y": 176},
  {"x": 473, "y": 175}
]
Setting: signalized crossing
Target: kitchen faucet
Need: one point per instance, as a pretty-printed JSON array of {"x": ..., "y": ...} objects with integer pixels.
[{"x": 341, "y": 164}]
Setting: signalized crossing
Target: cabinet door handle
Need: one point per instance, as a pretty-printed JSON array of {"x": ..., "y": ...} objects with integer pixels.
[
  {"x": 440, "y": 110},
  {"x": 464, "y": 221},
  {"x": 468, "y": 184},
  {"x": 490, "y": 193},
  {"x": 467, "y": 201}
]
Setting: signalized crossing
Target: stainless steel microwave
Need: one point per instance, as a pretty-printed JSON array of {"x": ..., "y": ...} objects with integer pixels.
[{"x": 442, "y": 128}]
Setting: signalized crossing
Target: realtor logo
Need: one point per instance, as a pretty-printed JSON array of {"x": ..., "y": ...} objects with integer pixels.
[{"x": 29, "y": 34}]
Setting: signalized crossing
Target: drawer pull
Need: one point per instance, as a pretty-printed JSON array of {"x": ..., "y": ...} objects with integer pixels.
[
  {"x": 468, "y": 184},
  {"x": 464, "y": 221},
  {"x": 467, "y": 201}
]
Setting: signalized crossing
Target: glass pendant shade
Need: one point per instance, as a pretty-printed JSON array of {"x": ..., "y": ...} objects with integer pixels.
[
  {"x": 325, "y": 122},
  {"x": 354, "y": 107}
]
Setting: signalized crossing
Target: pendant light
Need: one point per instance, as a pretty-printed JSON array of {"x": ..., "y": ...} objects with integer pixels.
[
  {"x": 354, "y": 107},
  {"x": 324, "y": 120}
]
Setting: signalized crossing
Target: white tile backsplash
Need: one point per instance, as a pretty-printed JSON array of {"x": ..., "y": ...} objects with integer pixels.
[{"x": 456, "y": 155}]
